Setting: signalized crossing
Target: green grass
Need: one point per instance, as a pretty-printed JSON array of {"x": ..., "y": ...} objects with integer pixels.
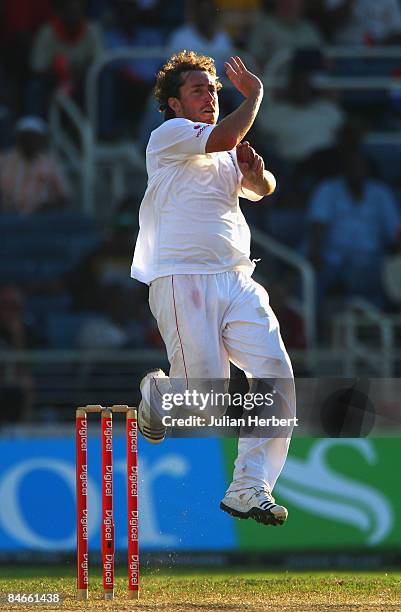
[{"x": 228, "y": 590}]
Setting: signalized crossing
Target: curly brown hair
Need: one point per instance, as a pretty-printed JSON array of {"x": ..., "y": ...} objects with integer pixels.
[{"x": 169, "y": 80}]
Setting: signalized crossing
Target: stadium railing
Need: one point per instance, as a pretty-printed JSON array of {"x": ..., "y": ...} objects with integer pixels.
[
  {"x": 305, "y": 305},
  {"x": 71, "y": 151},
  {"x": 86, "y": 157},
  {"x": 369, "y": 338},
  {"x": 63, "y": 379}
]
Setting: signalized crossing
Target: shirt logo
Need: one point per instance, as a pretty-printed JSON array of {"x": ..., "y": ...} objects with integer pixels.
[{"x": 200, "y": 129}]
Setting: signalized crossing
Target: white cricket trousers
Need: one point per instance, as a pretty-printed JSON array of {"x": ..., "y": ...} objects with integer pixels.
[{"x": 208, "y": 320}]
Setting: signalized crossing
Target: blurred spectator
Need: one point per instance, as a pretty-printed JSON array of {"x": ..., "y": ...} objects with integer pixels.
[
  {"x": 30, "y": 177},
  {"x": 354, "y": 221},
  {"x": 284, "y": 28},
  {"x": 97, "y": 9},
  {"x": 302, "y": 121},
  {"x": 286, "y": 219},
  {"x": 15, "y": 334},
  {"x": 19, "y": 20},
  {"x": 108, "y": 263},
  {"x": 62, "y": 52},
  {"x": 233, "y": 5},
  {"x": 202, "y": 33},
  {"x": 328, "y": 162},
  {"x": 6, "y": 114},
  {"x": 238, "y": 16},
  {"x": 358, "y": 22},
  {"x": 161, "y": 14},
  {"x": 116, "y": 326},
  {"x": 166, "y": 16},
  {"x": 126, "y": 84},
  {"x": 392, "y": 276}
]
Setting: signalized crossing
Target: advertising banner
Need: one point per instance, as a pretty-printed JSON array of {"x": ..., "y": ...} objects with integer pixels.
[
  {"x": 181, "y": 483},
  {"x": 342, "y": 494}
]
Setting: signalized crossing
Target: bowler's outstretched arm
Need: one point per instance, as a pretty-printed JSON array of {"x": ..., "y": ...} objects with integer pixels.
[{"x": 232, "y": 129}]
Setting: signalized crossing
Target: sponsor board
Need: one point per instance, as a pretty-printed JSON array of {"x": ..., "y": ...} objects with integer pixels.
[
  {"x": 342, "y": 494},
  {"x": 180, "y": 483}
]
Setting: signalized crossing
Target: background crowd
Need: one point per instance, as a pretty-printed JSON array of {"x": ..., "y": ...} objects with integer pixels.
[{"x": 64, "y": 279}]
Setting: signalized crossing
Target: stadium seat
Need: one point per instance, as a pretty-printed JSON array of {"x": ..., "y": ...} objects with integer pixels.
[
  {"x": 62, "y": 328},
  {"x": 43, "y": 246}
]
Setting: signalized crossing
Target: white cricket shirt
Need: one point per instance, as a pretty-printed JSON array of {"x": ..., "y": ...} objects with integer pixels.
[{"x": 190, "y": 220}]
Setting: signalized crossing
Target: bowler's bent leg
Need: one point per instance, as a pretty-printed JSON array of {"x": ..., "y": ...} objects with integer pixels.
[
  {"x": 189, "y": 310},
  {"x": 253, "y": 342}
]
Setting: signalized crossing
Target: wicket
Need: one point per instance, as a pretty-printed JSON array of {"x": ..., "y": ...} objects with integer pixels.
[{"x": 107, "y": 543}]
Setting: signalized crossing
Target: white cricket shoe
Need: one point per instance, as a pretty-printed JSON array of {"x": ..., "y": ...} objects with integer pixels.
[
  {"x": 257, "y": 503},
  {"x": 149, "y": 422}
]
